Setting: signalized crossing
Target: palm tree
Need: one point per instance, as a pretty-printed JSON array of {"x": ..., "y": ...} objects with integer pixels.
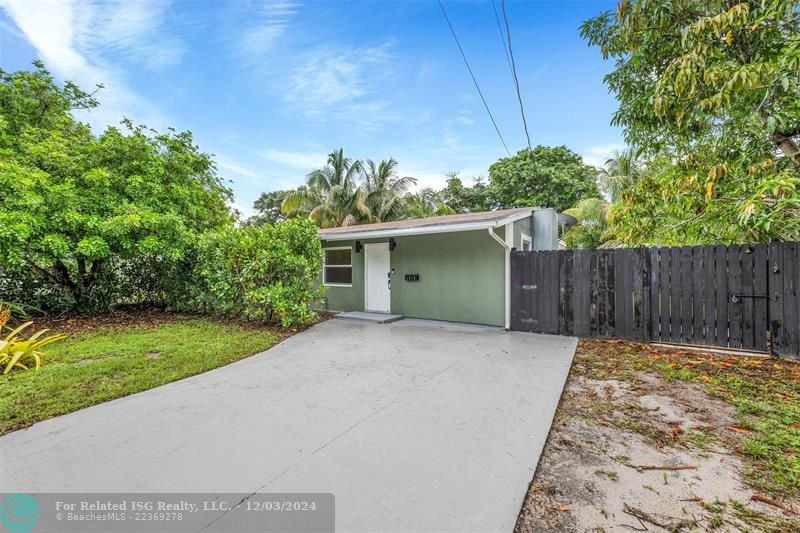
[
  {"x": 332, "y": 196},
  {"x": 593, "y": 222},
  {"x": 622, "y": 170},
  {"x": 385, "y": 190},
  {"x": 426, "y": 203}
]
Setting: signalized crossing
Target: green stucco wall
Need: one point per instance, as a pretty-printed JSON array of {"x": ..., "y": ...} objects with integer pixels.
[
  {"x": 461, "y": 277},
  {"x": 520, "y": 227}
]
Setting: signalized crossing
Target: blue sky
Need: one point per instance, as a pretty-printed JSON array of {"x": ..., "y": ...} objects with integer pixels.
[{"x": 270, "y": 87}]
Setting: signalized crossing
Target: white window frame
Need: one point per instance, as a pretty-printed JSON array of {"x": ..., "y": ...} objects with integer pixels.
[
  {"x": 326, "y": 266},
  {"x": 526, "y": 238}
]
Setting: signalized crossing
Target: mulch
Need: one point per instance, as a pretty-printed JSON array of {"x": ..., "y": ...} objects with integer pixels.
[{"x": 122, "y": 319}]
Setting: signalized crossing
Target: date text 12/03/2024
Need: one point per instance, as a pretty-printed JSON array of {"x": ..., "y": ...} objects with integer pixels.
[{"x": 185, "y": 506}]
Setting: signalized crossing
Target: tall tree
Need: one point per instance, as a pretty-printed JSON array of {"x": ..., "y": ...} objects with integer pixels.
[
  {"x": 713, "y": 87},
  {"x": 73, "y": 203},
  {"x": 466, "y": 199},
  {"x": 385, "y": 189},
  {"x": 592, "y": 229},
  {"x": 268, "y": 207},
  {"x": 426, "y": 203},
  {"x": 621, "y": 171},
  {"x": 333, "y": 196},
  {"x": 543, "y": 177}
]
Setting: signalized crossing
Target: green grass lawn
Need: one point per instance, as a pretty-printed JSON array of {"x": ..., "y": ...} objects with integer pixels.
[{"x": 105, "y": 363}]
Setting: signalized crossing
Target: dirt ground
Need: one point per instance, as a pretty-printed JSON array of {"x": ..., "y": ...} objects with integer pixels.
[{"x": 632, "y": 448}]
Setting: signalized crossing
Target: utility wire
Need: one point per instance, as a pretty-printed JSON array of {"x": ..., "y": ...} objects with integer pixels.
[
  {"x": 503, "y": 41},
  {"x": 472, "y": 75},
  {"x": 514, "y": 72}
]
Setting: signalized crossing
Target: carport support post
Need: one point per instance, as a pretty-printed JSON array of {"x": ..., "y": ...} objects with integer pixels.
[{"x": 507, "y": 242}]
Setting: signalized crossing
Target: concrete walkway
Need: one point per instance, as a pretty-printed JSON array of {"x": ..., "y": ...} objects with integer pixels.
[{"x": 414, "y": 425}]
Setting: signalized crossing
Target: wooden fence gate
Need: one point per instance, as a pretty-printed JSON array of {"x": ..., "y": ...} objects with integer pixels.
[{"x": 739, "y": 296}]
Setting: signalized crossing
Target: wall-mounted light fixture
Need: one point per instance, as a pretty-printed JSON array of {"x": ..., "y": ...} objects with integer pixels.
[
  {"x": 392, "y": 244},
  {"x": 358, "y": 246}
]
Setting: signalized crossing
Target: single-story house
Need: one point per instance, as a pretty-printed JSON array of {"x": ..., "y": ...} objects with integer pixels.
[{"x": 452, "y": 267}]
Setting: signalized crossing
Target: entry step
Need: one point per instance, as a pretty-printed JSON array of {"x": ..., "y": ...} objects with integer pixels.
[{"x": 378, "y": 318}]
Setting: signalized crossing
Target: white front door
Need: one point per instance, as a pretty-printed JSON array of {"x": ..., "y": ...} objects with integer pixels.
[{"x": 376, "y": 277}]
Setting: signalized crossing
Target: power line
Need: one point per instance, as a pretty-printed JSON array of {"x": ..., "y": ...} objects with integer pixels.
[
  {"x": 464, "y": 57},
  {"x": 503, "y": 41},
  {"x": 514, "y": 72}
]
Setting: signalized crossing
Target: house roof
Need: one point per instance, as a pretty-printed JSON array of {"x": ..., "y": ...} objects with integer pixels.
[{"x": 417, "y": 226}]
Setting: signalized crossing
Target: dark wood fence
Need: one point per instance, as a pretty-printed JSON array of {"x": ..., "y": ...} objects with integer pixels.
[{"x": 741, "y": 296}]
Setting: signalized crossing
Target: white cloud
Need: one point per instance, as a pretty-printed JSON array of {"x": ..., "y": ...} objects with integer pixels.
[
  {"x": 234, "y": 167},
  {"x": 260, "y": 24},
  {"x": 136, "y": 29},
  {"x": 302, "y": 160},
  {"x": 451, "y": 142},
  {"x": 425, "y": 176},
  {"x": 434, "y": 175},
  {"x": 465, "y": 117},
  {"x": 342, "y": 83},
  {"x": 597, "y": 155},
  {"x": 72, "y": 38}
]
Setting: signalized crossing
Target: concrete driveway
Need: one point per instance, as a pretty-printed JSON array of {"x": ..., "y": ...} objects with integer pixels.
[{"x": 413, "y": 426}]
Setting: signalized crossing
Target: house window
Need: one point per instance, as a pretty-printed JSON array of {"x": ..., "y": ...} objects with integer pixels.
[
  {"x": 338, "y": 268},
  {"x": 527, "y": 243}
]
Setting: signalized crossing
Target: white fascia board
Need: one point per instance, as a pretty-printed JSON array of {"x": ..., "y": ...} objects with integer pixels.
[
  {"x": 424, "y": 230},
  {"x": 400, "y": 232},
  {"x": 514, "y": 218}
]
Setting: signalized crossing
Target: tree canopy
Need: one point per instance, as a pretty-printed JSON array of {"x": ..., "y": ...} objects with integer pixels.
[
  {"x": 268, "y": 207},
  {"x": 546, "y": 176},
  {"x": 711, "y": 90},
  {"x": 466, "y": 199},
  {"x": 72, "y": 202},
  {"x": 347, "y": 192},
  {"x": 384, "y": 190},
  {"x": 591, "y": 231},
  {"x": 332, "y": 195}
]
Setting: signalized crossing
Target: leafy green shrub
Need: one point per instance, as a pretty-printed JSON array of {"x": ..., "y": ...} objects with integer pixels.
[
  {"x": 29, "y": 293},
  {"x": 265, "y": 273},
  {"x": 77, "y": 208}
]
